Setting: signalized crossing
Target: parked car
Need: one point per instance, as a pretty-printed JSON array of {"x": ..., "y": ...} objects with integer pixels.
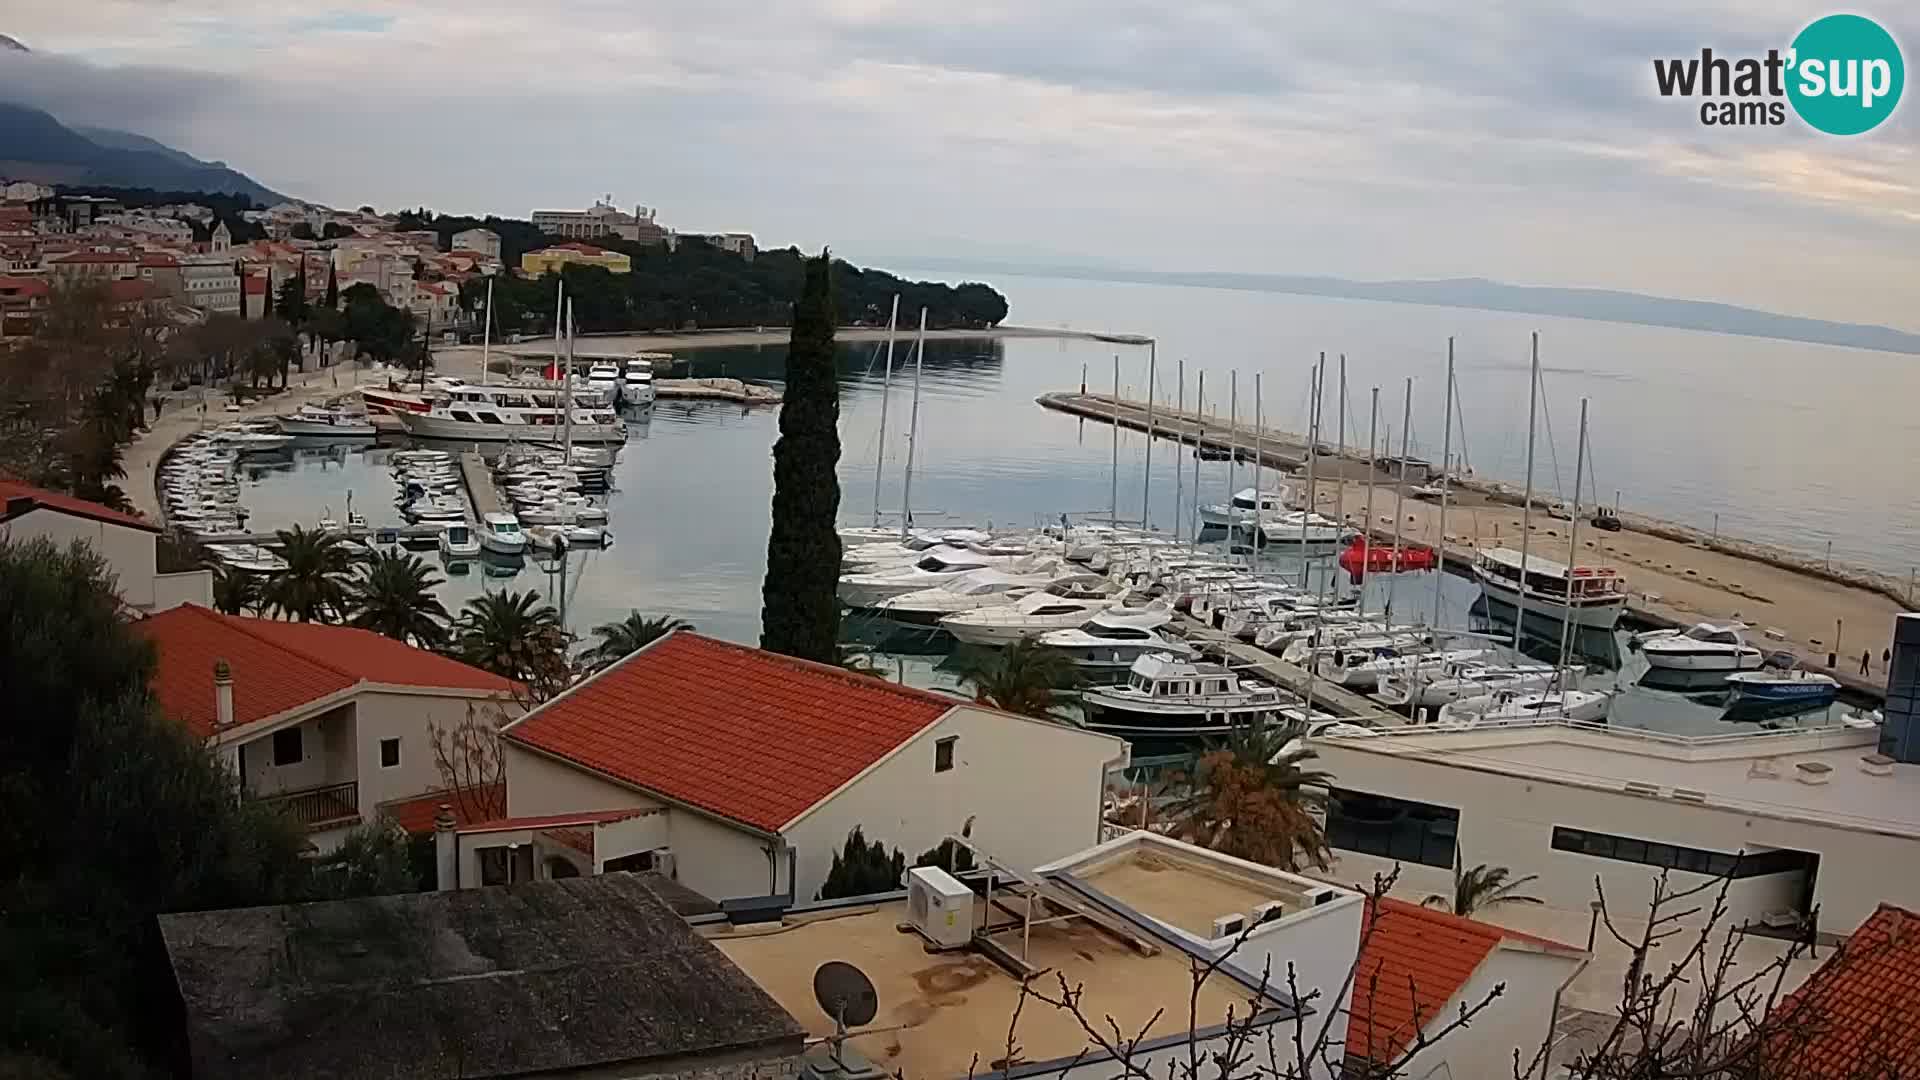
[
  {"x": 181, "y": 384},
  {"x": 1605, "y": 520}
]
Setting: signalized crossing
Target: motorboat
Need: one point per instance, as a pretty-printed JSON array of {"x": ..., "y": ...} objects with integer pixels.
[
  {"x": 1303, "y": 528},
  {"x": 1247, "y": 506},
  {"x": 1459, "y": 681},
  {"x": 975, "y": 589},
  {"x": 506, "y": 412},
  {"x": 1030, "y": 616},
  {"x": 249, "y": 557},
  {"x": 434, "y": 511},
  {"x": 561, "y": 512},
  {"x": 550, "y": 537},
  {"x": 934, "y": 566},
  {"x": 1214, "y": 604},
  {"x": 1276, "y": 628},
  {"x": 457, "y": 541},
  {"x": 1361, "y": 668},
  {"x": 604, "y": 377},
  {"x": 500, "y": 533},
  {"x": 1111, "y": 641},
  {"x": 1366, "y": 634},
  {"x": 1768, "y": 689},
  {"x": 1360, "y": 558},
  {"x": 636, "y": 383},
  {"x": 1592, "y": 596},
  {"x": 248, "y": 441},
  {"x": 1511, "y": 706},
  {"x": 1167, "y": 695},
  {"x": 1702, "y": 647},
  {"x": 312, "y": 422}
]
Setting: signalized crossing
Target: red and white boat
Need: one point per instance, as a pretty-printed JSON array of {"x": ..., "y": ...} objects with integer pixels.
[{"x": 394, "y": 402}]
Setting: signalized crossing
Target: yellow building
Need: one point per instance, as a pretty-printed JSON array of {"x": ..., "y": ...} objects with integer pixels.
[{"x": 547, "y": 260}]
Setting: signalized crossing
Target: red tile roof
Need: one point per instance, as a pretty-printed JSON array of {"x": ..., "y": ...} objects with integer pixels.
[
  {"x": 416, "y": 815},
  {"x": 282, "y": 665},
  {"x": 1859, "y": 1015},
  {"x": 41, "y": 498},
  {"x": 89, "y": 257},
  {"x": 31, "y": 288},
  {"x": 746, "y": 735},
  {"x": 133, "y": 291},
  {"x": 548, "y": 821},
  {"x": 1416, "y": 959}
]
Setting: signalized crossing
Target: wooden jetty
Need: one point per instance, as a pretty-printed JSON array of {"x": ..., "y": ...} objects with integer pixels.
[
  {"x": 1278, "y": 449},
  {"x": 479, "y": 482},
  {"x": 1327, "y": 696}
]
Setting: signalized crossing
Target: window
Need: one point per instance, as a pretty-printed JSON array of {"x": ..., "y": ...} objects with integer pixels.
[
  {"x": 389, "y": 753},
  {"x": 1675, "y": 857},
  {"x": 943, "y": 753},
  {"x": 287, "y": 748},
  {"x": 1391, "y": 828}
]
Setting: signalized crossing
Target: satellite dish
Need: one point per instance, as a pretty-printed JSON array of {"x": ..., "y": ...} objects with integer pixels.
[{"x": 845, "y": 993}]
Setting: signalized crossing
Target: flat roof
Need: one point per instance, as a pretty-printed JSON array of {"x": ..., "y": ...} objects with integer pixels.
[
  {"x": 1183, "y": 893},
  {"x": 951, "y": 1006},
  {"x": 1753, "y": 774}
]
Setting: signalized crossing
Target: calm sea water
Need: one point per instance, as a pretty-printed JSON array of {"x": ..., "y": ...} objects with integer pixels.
[{"x": 1788, "y": 443}]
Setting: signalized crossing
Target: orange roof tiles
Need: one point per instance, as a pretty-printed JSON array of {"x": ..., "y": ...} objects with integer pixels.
[
  {"x": 41, "y": 498},
  {"x": 743, "y": 734},
  {"x": 1416, "y": 959},
  {"x": 1859, "y": 1015},
  {"x": 416, "y": 815},
  {"x": 282, "y": 665}
]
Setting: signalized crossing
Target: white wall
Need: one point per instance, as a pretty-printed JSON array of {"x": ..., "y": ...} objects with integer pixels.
[
  {"x": 326, "y": 749},
  {"x": 721, "y": 861},
  {"x": 1519, "y": 1019},
  {"x": 408, "y": 717},
  {"x": 1320, "y": 944},
  {"x": 538, "y": 785},
  {"x": 128, "y": 551},
  {"x": 187, "y": 587},
  {"x": 1508, "y": 821},
  {"x": 1033, "y": 788}
]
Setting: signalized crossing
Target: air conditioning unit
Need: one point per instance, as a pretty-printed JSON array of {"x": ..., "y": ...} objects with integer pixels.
[
  {"x": 1229, "y": 925},
  {"x": 663, "y": 862},
  {"x": 939, "y": 907},
  {"x": 1271, "y": 911}
]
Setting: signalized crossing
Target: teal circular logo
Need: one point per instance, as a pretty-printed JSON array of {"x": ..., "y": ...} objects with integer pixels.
[{"x": 1845, "y": 74}]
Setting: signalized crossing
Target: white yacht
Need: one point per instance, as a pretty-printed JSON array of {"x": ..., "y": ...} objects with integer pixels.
[
  {"x": 975, "y": 589},
  {"x": 1029, "y": 616},
  {"x": 508, "y": 412},
  {"x": 1508, "y": 706},
  {"x": 250, "y": 441},
  {"x": 1587, "y": 595},
  {"x": 1277, "y": 627},
  {"x": 550, "y": 537},
  {"x": 1362, "y": 668},
  {"x": 604, "y": 377},
  {"x": 1112, "y": 640},
  {"x": 1246, "y": 506},
  {"x": 501, "y": 533},
  {"x": 1303, "y": 527},
  {"x": 313, "y": 422},
  {"x": 1456, "y": 682},
  {"x": 249, "y": 557},
  {"x": 1164, "y": 695},
  {"x": 636, "y": 383},
  {"x": 934, "y": 566},
  {"x": 458, "y": 542},
  {"x": 1360, "y": 635},
  {"x": 1702, "y": 647}
]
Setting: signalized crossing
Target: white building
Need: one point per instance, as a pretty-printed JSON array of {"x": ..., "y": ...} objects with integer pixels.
[
  {"x": 329, "y": 722},
  {"x": 480, "y": 241},
  {"x": 25, "y": 191},
  {"x": 737, "y": 243},
  {"x": 126, "y": 542},
  {"x": 209, "y": 283},
  {"x": 1801, "y": 818},
  {"x": 602, "y": 219},
  {"x": 748, "y": 769}
]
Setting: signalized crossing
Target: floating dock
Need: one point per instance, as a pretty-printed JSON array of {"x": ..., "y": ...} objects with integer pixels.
[
  {"x": 1327, "y": 696},
  {"x": 745, "y": 393},
  {"x": 479, "y": 483}
]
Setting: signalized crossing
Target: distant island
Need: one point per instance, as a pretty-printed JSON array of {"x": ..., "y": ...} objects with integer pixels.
[{"x": 1604, "y": 305}]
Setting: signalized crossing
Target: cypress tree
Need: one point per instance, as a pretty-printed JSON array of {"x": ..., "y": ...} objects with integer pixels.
[
  {"x": 240, "y": 272},
  {"x": 266, "y": 303},
  {"x": 333, "y": 288},
  {"x": 800, "y": 608}
]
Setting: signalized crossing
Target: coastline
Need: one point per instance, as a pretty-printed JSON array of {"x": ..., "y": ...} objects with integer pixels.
[{"x": 627, "y": 343}]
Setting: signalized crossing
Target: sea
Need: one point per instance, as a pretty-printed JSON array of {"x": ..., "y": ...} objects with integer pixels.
[{"x": 1788, "y": 443}]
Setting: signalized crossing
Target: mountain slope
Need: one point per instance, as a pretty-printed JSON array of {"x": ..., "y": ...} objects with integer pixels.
[
  {"x": 35, "y": 146},
  {"x": 127, "y": 140}
]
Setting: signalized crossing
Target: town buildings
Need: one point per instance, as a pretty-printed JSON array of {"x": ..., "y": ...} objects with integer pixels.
[
  {"x": 734, "y": 243},
  {"x": 744, "y": 770},
  {"x": 329, "y": 722},
  {"x": 602, "y": 219},
  {"x": 480, "y": 241},
  {"x": 210, "y": 283},
  {"x": 547, "y": 260}
]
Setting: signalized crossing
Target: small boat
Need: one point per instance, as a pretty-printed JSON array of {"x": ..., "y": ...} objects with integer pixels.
[
  {"x": 550, "y": 537},
  {"x": 1112, "y": 640},
  {"x": 458, "y": 542},
  {"x": 249, "y": 557},
  {"x": 433, "y": 512},
  {"x": 312, "y": 422},
  {"x": 1246, "y": 506},
  {"x": 1587, "y": 595},
  {"x": 1701, "y": 647},
  {"x": 1303, "y": 528},
  {"x": 1459, "y": 681},
  {"x": 1508, "y": 706},
  {"x": 252, "y": 442},
  {"x": 978, "y": 589},
  {"x": 1810, "y": 689},
  {"x": 636, "y": 383},
  {"x": 1029, "y": 616},
  {"x": 1168, "y": 695},
  {"x": 501, "y": 533},
  {"x": 1362, "y": 668},
  {"x": 933, "y": 567},
  {"x": 1360, "y": 558}
]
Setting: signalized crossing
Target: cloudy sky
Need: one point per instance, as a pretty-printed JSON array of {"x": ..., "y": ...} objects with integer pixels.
[{"x": 1373, "y": 138}]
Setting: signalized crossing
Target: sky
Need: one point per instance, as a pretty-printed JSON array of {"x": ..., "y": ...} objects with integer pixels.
[{"x": 1520, "y": 140}]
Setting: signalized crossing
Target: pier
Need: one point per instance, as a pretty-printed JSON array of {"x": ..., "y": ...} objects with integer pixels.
[
  {"x": 744, "y": 393},
  {"x": 1327, "y": 696},
  {"x": 1678, "y": 576},
  {"x": 479, "y": 483}
]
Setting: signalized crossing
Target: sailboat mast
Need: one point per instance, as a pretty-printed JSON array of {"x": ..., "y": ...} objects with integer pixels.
[
  {"x": 1199, "y": 411},
  {"x": 913, "y": 426},
  {"x": 559, "y": 319},
  {"x": 1400, "y": 497},
  {"x": 1526, "y": 503},
  {"x": 1179, "y": 444},
  {"x": 1113, "y": 475},
  {"x": 568, "y": 392},
  {"x": 1259, "y": 539},
  {"x": 1573, "y": 550},
  {"x": 1446, "y": 489},
  {"x": 1313, "y": 437},
  {"x": 1146, "y": 482},
  {"x": 486, "y": 333},
  {"x": 886, "y": 394},
  {"x": 1366, "y": 525},
  {"x": 1233, "y": 454}
]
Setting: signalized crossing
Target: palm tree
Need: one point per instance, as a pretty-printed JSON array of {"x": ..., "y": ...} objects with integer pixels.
[
  {"x": 1482, "y": 886},
  {"x": 1253, "y": 797},
  {"x": 1025, "y": 678},
  {"x": 620, "y": 639},
  {"x": 393, "y": 595},
  {"x": 235, "y": 592},
  {"x": 314, "y": 584},
  {"x": 515, "y": 635}
]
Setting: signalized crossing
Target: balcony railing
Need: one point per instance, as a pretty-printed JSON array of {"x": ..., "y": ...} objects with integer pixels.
[{"x": 319, "y": 806}]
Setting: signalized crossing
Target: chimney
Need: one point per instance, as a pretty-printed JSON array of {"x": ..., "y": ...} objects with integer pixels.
[
  {"x": 446, "y": 850},
  {"x": 222, "y": 696}
]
